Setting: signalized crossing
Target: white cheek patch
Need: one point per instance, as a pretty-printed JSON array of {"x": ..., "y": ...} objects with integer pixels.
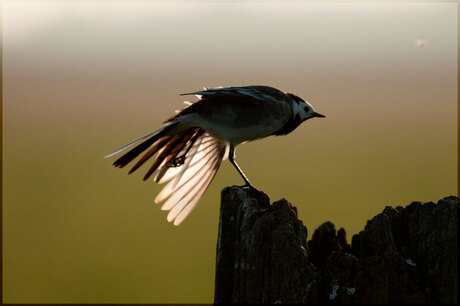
[
  {"x": 303, "y": 109},
  {"x": 299, "y": 109}
]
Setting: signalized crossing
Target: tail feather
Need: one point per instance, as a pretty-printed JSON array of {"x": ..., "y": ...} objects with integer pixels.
[
  {"x": 167, "y": 126},
  {"x": 133, "y": 153},
  {"x": 154, "y": 149}
]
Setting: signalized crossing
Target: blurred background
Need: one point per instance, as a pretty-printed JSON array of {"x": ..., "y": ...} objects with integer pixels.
[{"x": 83, "y": 78}]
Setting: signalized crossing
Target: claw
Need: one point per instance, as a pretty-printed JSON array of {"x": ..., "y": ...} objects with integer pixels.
[
  {"x": 249, "y": 186},
  {"x": 178, "y": 161}
]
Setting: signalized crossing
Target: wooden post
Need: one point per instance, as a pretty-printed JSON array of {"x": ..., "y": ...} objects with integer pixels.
[
  {"x": 261, "y": 250},
  {"x": 405, "y": 255}
]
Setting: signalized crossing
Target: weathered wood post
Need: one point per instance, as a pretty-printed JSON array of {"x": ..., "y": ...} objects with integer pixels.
[
  {"x": 261, "y": 250},
  {"x": 405, "y": 255}
]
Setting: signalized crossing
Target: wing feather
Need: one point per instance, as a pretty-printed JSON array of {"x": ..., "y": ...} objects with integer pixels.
[
  {"x": 199, "y": 161},
  {"x": 192, "y": 178},
  {"x": 189, "y": 157},
  {"x": 167, "y": 174},
  {"x": 194, "y": 201},
  {"x": 187, "y": 189},
  {"x": 194, "y": 194},
  {"x": 173, "y": 192}
]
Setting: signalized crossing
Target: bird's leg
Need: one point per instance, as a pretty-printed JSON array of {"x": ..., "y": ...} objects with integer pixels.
[{"x": 231, "y": 157}]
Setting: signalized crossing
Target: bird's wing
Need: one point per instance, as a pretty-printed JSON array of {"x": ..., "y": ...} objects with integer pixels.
[
  {"x": 188, "y": 182},
  {"x": 258, "y": 92}
]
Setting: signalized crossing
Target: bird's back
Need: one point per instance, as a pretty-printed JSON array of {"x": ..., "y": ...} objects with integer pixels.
[{"x": 238, "y": 114}]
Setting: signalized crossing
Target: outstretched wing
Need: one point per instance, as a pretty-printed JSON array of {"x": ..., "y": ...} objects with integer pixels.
[{"x": 188, "y": 182}]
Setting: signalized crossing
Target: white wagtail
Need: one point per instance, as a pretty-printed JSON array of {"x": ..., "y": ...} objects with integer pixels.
[{"x": 191, "y": 145}]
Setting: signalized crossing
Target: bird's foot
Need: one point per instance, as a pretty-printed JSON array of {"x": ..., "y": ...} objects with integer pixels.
[
  {"x": 249, "y": 187},
  {"x": 178, "y": 161}
]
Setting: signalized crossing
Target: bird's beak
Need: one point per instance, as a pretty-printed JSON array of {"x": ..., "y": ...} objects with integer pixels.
[{"x": 318, "y": 115}]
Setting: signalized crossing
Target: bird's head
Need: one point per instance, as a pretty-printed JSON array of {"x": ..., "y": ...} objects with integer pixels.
[{"x": 303, "y": 109}]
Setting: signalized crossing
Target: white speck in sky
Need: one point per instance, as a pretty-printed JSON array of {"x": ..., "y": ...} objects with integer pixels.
[{"x": 420, "y": 43}]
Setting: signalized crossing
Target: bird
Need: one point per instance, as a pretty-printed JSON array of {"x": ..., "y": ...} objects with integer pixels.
[{"x": 192, "y": 143}]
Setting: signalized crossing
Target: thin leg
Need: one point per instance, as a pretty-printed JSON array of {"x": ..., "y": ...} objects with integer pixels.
[{"x": 231, "y": 156}]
